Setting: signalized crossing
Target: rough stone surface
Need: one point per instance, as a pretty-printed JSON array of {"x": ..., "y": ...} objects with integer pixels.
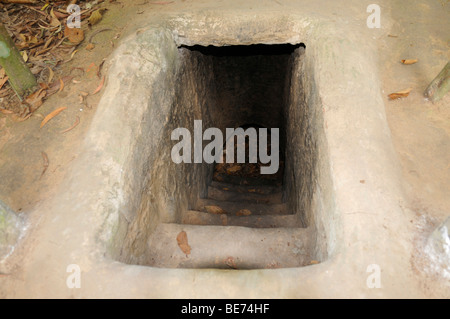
[
  {"x": 10, "y": 230},
  {"x": 438, "y": 250}
]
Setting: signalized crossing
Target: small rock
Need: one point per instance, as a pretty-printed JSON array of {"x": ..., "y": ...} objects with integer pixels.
[
  {"x": 438, "y": 249},
  {"x": 10, "y": 229}
]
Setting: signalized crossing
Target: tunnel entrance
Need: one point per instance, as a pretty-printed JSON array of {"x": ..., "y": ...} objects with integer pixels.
[{"x": 228, "y": 214}]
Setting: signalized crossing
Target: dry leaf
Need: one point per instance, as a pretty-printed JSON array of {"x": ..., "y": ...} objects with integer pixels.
[
  {"x": 100, "y": 86},
  {"x": 61, "y": 85},
  {"x": 314, "y": 262},
  {"x": 234, "y": 168},
  {"x": 215, "y": 210},
  {"x": 60, "y": 15},
  {"x": 410, "y": 61},
  {"x": 56, "y": 85},
  {"x": 230, "y": 262},
  {"x": 54, "y": 22},
  {"x": 5, "y": 111},
  {"x": 43, "y": 86},
  {"x": 23, "y": 117},
  {"x": 243, "y": 212},
  {"x": 50, "y": 75},
  {"x": 73, "y": 53},
  {"x": 46, "y": 162},
  {"x": 182, "y": 241},
  {"x": 90, "y": 46},
  {"x": 224, "y": 219},
  {"x": 52, "y": 115},
  {"x": 77, "y": 121},
  {"x": 34, "y": 100},
  {"x": 399, "y": 94},
  {"x": 3, "y": 81},
  {"x": 74, "y": 35},
  {"x": 47, "y": 43},
  {"x": 95, "y": 17},
  {"x": 24, "y": 56}
]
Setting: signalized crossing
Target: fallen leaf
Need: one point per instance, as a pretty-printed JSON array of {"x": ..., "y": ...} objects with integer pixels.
[
  {"x": 182, "y": 241},
  {"x": 233, "y": 169},
  {"x": 90, "y": 46},
  {"x": 100, "y": 68},
  {"x": 399, "y": 94},
  {"x": 410, "y": 61},
  {"x": 60, "y": 15},
  {"x": 82, "y": 97},
  {"x": 27, "y": 40},
  {"x": 5, "y": 111},
  {"x": 74, "y": 35},
  {"x": 34, "y": 100},
  {"x": 97, "y": 32},
  {"x": 243, "y": 212},
  {"x": 47, "y": 43},
  {"x": 95, "y": 17},
  {"x": 24, "y": 56},
  {"x": 22, "y": 118},
  {"x": 224, "y": 219},
  {"x": 314, "y": 262},
  {"x": 77, "y": 121},
  {"x": 50, "y": 75},
  {"x": 61, "y": 85},
  {"x": 43, "y": 86},
  {"x": 3, "y": 81},
  {"x": 215, "y": 210},
  {"x": 52, "y": 115},
  {"x": 230, "y": 262},
  {"x": 46, "y": 162},
  {"x": 100, "y": 86},
  {"x": 73, "y": 53},
  {"x": 56, "y": 85},
  {"x": 54, "y": 22}
]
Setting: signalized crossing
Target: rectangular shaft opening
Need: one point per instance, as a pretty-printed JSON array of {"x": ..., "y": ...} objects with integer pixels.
[{"x": 223, "y": 93}]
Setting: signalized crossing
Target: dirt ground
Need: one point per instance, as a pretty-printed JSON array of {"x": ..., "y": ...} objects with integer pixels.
[
  {"x": 22, "y": 143},
  {"x": 420, "y": 129}
]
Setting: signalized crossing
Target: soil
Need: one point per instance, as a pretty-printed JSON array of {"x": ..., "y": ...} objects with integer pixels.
[
  {"x": 420, "y": 129},
  {"x": 22, "y": 143}
]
